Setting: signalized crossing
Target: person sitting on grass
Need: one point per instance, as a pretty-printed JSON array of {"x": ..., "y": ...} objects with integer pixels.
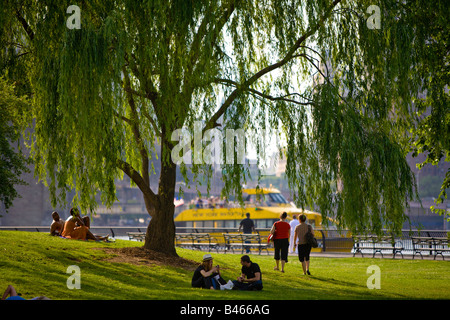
[
  {"x": 76, "y": 228},
  {"x": 11, "y": 294},
  {"x": 250, "y": 278},
  {"x": 208, "y": 277},
  {"x": 57, "y": 226}
]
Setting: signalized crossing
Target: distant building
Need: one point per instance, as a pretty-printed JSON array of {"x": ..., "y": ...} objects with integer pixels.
[{"x": 33, "y": 207}]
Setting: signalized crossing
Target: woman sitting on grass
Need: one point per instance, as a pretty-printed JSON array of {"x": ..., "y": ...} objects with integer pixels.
[
  {"x": 76, "y": 228},
  {"x": 207, "y": 276}
]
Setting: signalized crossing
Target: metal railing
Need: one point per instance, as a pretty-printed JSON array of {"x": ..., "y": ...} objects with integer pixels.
[{"x": 113, "y": 231}]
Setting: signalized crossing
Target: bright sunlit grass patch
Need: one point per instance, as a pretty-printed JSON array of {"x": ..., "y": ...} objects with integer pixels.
[{"x": 36, "y": 264}]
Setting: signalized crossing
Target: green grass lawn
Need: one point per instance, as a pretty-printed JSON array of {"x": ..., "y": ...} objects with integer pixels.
[{"x": 36, "y": 264}]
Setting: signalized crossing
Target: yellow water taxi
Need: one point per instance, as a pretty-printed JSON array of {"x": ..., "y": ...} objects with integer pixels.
[{"x": 264, "y": 206}]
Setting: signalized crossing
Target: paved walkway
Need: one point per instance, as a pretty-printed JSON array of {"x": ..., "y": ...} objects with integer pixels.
[
  {"x": 407, "y": 256},
  {"x": 368, "y": 255}
]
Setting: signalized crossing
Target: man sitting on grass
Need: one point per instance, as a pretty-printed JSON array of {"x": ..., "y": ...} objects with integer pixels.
[
  {"x": 250, "y": 278},
  {"x": 57, "y": 226}
]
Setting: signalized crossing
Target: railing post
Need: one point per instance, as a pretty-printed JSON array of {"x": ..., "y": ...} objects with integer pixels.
[
  {"x": 323, "y": 241},
  {"x": 431, "y": 244}
]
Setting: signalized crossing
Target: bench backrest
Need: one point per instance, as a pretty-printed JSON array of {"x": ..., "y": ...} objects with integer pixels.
[
  {"x": 201, "y": 237},
  {"x": 441, "y": 242},
  {"x": 373, "y": 239},
  {"x": 232, "y": 237},
  {"x": 192, "y": 237},
  {"x": 136, "y": 235},
  {"x": 422, "y": 241},
  {"x": 240, "y": 237}
]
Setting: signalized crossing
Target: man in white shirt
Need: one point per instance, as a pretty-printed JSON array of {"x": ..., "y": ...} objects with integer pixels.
[{"x": 293, "y": 224}]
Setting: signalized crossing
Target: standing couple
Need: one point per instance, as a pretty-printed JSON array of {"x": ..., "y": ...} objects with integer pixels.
[{"x": 281, "y": 231}]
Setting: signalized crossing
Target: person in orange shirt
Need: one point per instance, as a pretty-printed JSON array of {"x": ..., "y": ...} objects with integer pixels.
[
  {"x": 76, "y": 228},
  {"x": 282, "y": 231}
]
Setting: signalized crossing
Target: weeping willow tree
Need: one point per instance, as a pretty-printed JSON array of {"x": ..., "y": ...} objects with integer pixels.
[
  {"x": 431, "y": 123},
  {"x": 13, "y": 121},
  {"x": 334, "y": 79}
]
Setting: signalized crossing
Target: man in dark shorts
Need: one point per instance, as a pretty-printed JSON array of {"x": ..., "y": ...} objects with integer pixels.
[
  {"x": 250, "y": 278},
  {"x": 248, "y": 227}
]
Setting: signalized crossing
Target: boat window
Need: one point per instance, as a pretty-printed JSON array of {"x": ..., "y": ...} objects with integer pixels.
[
  {"x": 261, "y": 223},
  {"x": 260, "y": 200},
  {"x": 277, "y": 197},
  {"x": 250, "y": 198},
  {"x": 198, "y": 224},
  {"x": 180, "y": 224},
  {"x": 264, "y": 223},
  {"x": 208, "y": 224},
  {"x": 230, "y": 224},
  {"x": 267, "y": 199}
]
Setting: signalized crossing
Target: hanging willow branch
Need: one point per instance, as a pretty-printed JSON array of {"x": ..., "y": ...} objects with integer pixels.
[{"x": 137, "y": 71}]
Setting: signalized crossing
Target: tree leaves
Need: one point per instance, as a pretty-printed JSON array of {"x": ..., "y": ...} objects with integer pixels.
[
  {"x": 13, "y": 121},
  {"x": 312, "y": 72}
]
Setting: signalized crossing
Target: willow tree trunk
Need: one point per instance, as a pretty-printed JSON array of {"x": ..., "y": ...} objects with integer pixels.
[{"x": 161, "y": 229}]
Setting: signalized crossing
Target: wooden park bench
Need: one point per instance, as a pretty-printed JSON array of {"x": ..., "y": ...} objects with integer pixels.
[
  {"x": 139, "y": 236},
  {"x": 376, "y": 244},
  {"x": 243, "y": 241},
  {"x": 429, "y": 244},
  {"x": 196, "y": 241}
]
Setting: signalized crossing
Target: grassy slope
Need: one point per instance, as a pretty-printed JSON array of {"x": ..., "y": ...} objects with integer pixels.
[{"x": 36, "y": 264}]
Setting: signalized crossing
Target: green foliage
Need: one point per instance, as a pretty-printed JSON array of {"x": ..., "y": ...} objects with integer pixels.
[
  {"x": 431, "y": 122},
  {"x": 312, "y": 72},
  {"x": 14, "y": 111},
  {"x": 78, "y": 136}
]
